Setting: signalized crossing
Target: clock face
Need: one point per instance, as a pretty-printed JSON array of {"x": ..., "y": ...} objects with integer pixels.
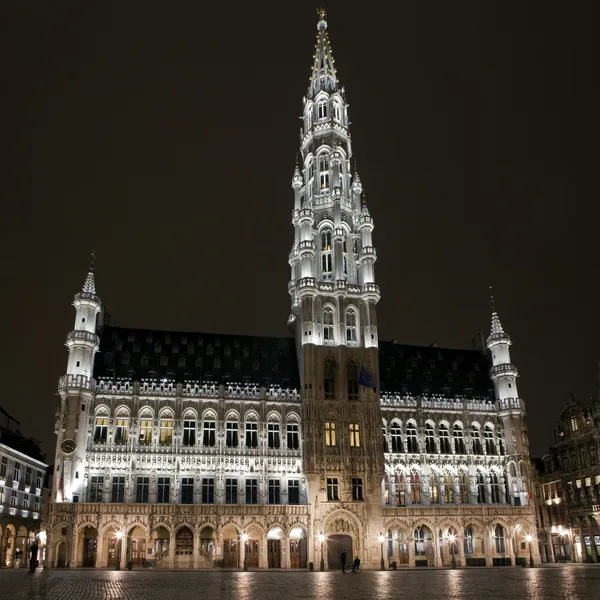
[{"x": 68, "y": 446}]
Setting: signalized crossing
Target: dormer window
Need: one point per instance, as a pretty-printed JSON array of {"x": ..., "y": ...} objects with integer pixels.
[{"x": 322, "y": 109}]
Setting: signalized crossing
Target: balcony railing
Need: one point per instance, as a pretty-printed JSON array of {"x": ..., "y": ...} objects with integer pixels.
[
  {"x": 86, "y": 336},
  {"x": 82, "y": 382}
]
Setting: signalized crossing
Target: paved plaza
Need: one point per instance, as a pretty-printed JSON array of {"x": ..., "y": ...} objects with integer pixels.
[{"x": 573, "y": 582}]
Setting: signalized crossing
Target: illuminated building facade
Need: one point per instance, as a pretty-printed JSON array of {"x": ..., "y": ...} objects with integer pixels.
[{"x": 201, "y": 450}]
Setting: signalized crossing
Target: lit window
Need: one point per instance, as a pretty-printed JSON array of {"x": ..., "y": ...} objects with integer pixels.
[
  {"x": 122, "y": 429},
  {"x": 337, "y": 111},
  {"x": 354, "y": 435},
  {"x": 293, "y": 436},
  {"x": 101, "y": 430},
  {"x": 330, "y": 437},
  {"x": 273, "y": 440},
  {"x": 209, "y": 433},
  {"x": 166, "y": 432},
  {"x": 145, "y": 431},
  {"x": 396, "y": 434},
  {"x": 251, "y": 435}
]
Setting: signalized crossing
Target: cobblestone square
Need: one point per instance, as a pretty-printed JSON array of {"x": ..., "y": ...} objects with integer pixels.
[{"x": 573, "y": 582}]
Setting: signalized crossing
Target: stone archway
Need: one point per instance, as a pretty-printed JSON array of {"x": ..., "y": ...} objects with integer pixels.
[
  {"x": 89, "y": 540},
  {"x": 161, "y": 540},
  {"x": 341, "y": 534},
  {"x": 136, "y": 546},
  {"x": 62, "y": 552},
  {"x": 8, "y": 546},
  {"x": 336, "y": 544},
  {"x": 184, "y": 548}
]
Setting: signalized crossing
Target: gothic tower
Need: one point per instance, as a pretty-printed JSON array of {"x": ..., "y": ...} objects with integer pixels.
[
  {"x": 76, "y": 390},
  {"x": 511, "y": 410},
  {"x": 334, "y": 295}
]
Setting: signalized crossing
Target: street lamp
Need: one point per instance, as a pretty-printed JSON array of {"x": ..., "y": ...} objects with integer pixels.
[
  {"x": 321, "y": 540},
  {"x": 451, "y": 540},
  {"x": 245, "y": 537},
  {"x": 381, "y": 540},
  {"x": 529, "y": 537},
  {"x": 119, "y": 536}
]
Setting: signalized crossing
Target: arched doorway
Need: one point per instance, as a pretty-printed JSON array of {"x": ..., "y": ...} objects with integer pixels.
[
  {"x": 8, "y": 546},
  {"x": 21, "y": 546},
  {"x": 424, "y": 551},
  {"x": 161, "y": 539},
  {"x": 184, "y": 548},
  {"x": 230, "y": 548},
  {"x": 61, "y": 555},
  {"x": 298, "y": 548},
  {"x": 274, "y": 537},
  {"x": 252, "y": 556},
  {"x": 136, "y": 546},
  {"x": 89, "y": 546},
  {"x": 336, "y": 544}
]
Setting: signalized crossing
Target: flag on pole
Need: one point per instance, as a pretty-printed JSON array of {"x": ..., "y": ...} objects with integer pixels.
[{"x": 366, "y": 378}]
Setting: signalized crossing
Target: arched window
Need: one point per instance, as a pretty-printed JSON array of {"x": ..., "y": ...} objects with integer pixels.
[
  {"x": 145, "y": 428},
  {"x": 101, "y": 428},
  {"x": 500, "y": 541},
  {"x": 448, "y": 488},
  {"x": 490, "y": 447},
  {"x": 337, "y": 111},
  {"x": 326, "y": 253},
  {"x": 309, "y": 118},
  {"x": 459, "y": 442},
  {"x": 329, "y": 379},
  {"x": 463, "y": 487},
  {"x": 477, "y": 447},
  {"x": 411, "y": 438},
  {"x": 415, "y": 488},
  {"x": 351, "y": 326},
  {"x": 495, "y": 488},
  {"x": 324, "y": 171},
  {"x": 328, "y": 324},
  {"x": 273, "y": 435},
  {"x": 481, "y": 491},
  {"x": 189, "y": 429},
  {"x": 429, "y": 439},
  {"x": 396, "y": 433},
  {"x": 434, "y": 488},
  {"x": 122, "y": 428},
  {"x": 400, "y": 490},
  {"x": 353, "y": 376},
  {"x": 209, "y": 432},
  {"x": 444, "y": 440},
  {"x": 469, "y": 542},
  {"x": 231, "y": 432},
  {"x": 420, "y": 537},
  {"x": 293, "y": 436},
  {"x": 322, "y": 108},
  {"x": 166, "y": 430}
]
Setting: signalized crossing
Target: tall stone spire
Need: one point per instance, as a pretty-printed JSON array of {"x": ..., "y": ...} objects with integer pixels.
[
  {"x": 323, "y": 76},
  {"x": 496, "y": 325},
  {"x": 89, "y": 285}
]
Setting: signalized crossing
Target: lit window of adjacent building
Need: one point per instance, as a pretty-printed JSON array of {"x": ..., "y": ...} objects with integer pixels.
[
  {"x": 25, "y": 500},
  {"x": 357, "y": 489},
  {"x": 36, "y": 503},
  {"x": 189, "y": 433},
  {"x": 251, "y": 491},
  {"x": 231, "y": 491},
  {"x": 3, "y": 467},
  {"x": 573, "y": 423},
  {"x": 251, "y": 435},
  {"x": 274, "y": 493},
  {"x": 332, "y": 489},
  {"x": 330, "y": 437},
  {"x": 17, "y": 472},
  {"x": 293, "y": 436},
  {"x": 166, "y": 432},
  {"x": 163, "y": 490},
  {"x": 354, "y": 435},
  {"x": 143, "y": 488},
  {"x": 187, "y": 490},
  {"x": 118, "y": 489},
  {"x": 208, "y": 490},
  {"x": 101, "y": 430},
  {"x": 27, "y": 475},
  {"x": 209, "y": 433},
  {"x": 13, "y": 498}
]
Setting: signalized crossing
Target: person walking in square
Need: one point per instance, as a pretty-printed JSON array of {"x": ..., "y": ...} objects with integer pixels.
[
  {"x": 343, "y": 557},
  {"x": 33, "y": 560}
]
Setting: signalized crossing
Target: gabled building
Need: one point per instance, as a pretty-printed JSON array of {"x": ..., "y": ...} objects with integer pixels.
[{"x": 186, "y": 449}]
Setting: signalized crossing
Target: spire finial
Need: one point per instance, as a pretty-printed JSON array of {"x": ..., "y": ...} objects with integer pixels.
[
  {"x": 322, "y": 24},
  {"x": 496, "y": 325},
  {"x": 492, "y": 301},
  {"x": 89, "y": 285},
  {"x": 92, "y": 261}
]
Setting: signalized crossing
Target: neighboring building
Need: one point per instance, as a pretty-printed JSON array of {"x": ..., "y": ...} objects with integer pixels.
[
  {"x": 194, "y": 449},
  {"x": 568, "y": 488},
  {"x": 22, "y": 473}
]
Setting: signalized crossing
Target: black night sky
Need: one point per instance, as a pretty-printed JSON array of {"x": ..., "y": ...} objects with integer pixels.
[{"x": 164, "y": 135}]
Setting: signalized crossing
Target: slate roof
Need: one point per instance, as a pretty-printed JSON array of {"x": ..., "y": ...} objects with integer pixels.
[{"x": 150, "y": 354}]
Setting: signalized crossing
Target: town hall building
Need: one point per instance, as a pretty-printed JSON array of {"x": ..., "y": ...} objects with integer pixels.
[{"x": 202, "y": 450}]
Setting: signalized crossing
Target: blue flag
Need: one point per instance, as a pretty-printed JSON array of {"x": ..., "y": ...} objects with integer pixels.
[{"x": 367, "y": 379}]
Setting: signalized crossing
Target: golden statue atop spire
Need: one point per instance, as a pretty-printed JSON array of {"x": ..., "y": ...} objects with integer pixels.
[{"x": 322, "y": 14}]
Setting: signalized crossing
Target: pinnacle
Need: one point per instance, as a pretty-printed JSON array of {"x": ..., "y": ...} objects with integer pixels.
[
  {"x": 496, "y": 325},
  {"x": 89, "y": 286}
]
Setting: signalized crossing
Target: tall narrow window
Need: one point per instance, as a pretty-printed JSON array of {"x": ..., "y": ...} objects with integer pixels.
[
  {"x": 434, "y": 488},
  {"x": 326, "y": 254},
  {"x": 324, "y": 171},
  {"x": 166, "y": 431},
  {"x": 293, "y": 491},
  {"x": 412, "y": 445},
  {"x": 27, "y": 476},
  {"x": 351, "y": 327},
  {"x": 357, "y": 489},
  {"x": 322, "y": 108},
  {"x": 488, "y": 434},
  {"x": 208, "y": 490},
  {"x": 145, "y": 431},
  {"x": 164, "y": 490},
  {"x": 353, "y": 378},
  {"x": 463, "y": 487},
  {"x": 274, "y": 492},
  {"x": 330, "y": 437},
  {"x": 96, "y": 488},
  {"x": 481, "y": 491},
  {"x": 231, "y": 494},
  {"x": 293, "y": 436},
  {"x": 273, "y": 439},
  {"x": 143, "y": 488},
  {"x": 189, "y": 433},
  {"x": 327, "y": 324},
  {"x": 494, "y": 488},
  {"x": 3, "y": 467},
  {"x": 459, "y": 442},
  {"x": 477, "y": 447},
  {"x": 332, "y": 489},
  {"x": 251, "y": 435},
  {"x": 400, "y": 490},
  {"x": 448, "y": 488},
  {"x": 444, "y": 440},
  {"x": 208, "y": 433},
  {"x": 429, "y": 439},
  {"x": 469, "y": 540},
  {"x": 354, "y": 435},
  {"x": 122, "y": 429},
  {"x": 337, "y": 111},
  {"x": 118, "y": 489},
  {"x": 415, "y": 488},
  {"x": 231, "y": 434},
  {"x": 251, "y": 491},
  {"x": 329, "y": 379},
  {"x": 187, "y": 490},
  {"x": 500, "y": 541},
  {"x": 101, "y": 430}
]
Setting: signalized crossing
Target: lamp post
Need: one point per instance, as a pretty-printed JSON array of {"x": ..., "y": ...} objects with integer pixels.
[
  {"x": 245, "y": 537},
  {"x": 452, "y": 539},
  {"x": 321, "y": 540},
  {"x": 381, "y": 540},
  {"x": 529, "y": 538},
  {"x": 119, "y": 536}
]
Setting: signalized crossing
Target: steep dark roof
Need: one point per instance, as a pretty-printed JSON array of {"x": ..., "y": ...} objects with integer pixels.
[
  {"x": 417, "y": 370},
  {"x": 149, "y": 354},
  {"x": 17, "y": 441}
]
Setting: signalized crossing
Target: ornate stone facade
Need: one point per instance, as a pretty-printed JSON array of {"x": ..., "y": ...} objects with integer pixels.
[{"x": 328, "y": 441}]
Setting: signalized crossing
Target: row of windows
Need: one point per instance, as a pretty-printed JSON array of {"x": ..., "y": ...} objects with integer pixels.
[
  {"x": 331, "y": 434},
  {"x": 582, "y": 459},
  {"x": 165, "y": 491},
  {"x": 322, "y": 110},
  {"x": 31, "y": 475},
  {"x": 351, "y": 326},
  {"x": 394, "y": 441},
  {"x": 12, "y": 497},
  {"x": 330, "y": 377},
  {"x": 189, "y": 437},
  {"x": 333, "y": 489},
  {"x": 422, "y": 535}
]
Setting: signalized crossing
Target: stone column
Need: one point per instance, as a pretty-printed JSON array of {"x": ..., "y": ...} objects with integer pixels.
[
  {"x": 489, "y": 547},
  {"x": 461, "y": 560},
  {"x": 285, "y": 553},
  {"x": 99, "y": 549},
  {"x": 196, "y": 554},
  {"x": 242, "y": 553},
  {"x": 172, "y": 551},
  {"x": 124, "y": 546},
  {"x": 411, "y": 551},
  {"x": 73, "y": 562}
]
